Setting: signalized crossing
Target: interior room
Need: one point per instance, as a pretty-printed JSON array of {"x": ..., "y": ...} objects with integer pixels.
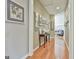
[{"x": 39, "y": 29}]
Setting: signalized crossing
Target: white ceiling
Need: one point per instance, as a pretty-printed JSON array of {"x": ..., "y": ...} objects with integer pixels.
[{"x": 52, "y": 5}]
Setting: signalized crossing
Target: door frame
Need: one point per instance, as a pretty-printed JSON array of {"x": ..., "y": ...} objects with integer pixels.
[{"x": 31, "y": 26}]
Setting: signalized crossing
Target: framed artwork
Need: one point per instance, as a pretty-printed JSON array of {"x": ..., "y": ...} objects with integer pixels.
[
  {"x": 44, "y": 24},
  {"x": 36, "y": 18},
  {"x": 15, "y": 12}
]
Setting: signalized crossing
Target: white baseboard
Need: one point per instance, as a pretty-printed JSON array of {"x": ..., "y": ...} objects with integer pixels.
[
  {"x": 36, "y": 48},
  {"x": 66, "y": 44},
  {"x": 31, "y": 53},
  {"x": 25, "y": 56}
]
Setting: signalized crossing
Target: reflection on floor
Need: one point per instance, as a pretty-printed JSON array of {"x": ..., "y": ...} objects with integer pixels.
[
  {"x": 59, "y": 44},
  {"x": 55, "y": 49}
]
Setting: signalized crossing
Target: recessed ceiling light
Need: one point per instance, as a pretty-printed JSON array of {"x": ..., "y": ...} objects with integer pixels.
[{"x": 57, "y": 7}]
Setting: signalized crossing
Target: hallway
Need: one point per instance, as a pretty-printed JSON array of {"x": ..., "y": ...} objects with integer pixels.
[
  {"x": 40, "y": 20},
  {"x": 49, "y": 51}
]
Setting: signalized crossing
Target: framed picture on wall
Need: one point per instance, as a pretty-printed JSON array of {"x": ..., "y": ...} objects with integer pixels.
[
  {"x": 36, "y": 18},
  {"x": 15, "y": 12}
]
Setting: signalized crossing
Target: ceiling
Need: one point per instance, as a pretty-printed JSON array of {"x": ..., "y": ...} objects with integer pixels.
[{"x": 54, "y": 6}]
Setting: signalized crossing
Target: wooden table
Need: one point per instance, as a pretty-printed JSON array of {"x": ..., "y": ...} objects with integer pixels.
[{"x": 45, "y": 39}]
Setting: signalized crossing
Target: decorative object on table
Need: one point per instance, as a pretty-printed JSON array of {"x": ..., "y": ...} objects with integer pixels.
[{"x": 15, "y": 12}]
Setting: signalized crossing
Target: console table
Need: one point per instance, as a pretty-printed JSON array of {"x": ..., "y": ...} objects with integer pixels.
[{"x": 45, "y": 39}]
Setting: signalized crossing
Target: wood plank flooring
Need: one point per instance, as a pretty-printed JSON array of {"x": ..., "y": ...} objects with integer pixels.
[{"x": 48, "y": 52}]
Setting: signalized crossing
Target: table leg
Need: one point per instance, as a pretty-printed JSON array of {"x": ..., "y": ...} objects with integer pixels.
[
  {"x": 44, "y": 41},
  {"x": 39, "y": 42}
]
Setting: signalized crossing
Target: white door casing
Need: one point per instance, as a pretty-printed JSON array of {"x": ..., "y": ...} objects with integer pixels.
[{"x": 31, "y": 27}]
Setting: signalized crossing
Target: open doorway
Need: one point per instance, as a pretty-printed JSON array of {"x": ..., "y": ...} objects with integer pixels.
[{"x": 44, "y": 16}]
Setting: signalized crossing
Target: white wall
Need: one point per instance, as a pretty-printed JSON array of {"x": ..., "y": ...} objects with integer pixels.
[
  {"x": 38, "y": 8},
  {"x": 52, "y": 26},
  {"x": 70, "y": 15},
  {"x": 16, "y": 35},
  {"x": 67, "y": 18},
  {"x": 59, "y": 21},
  {"x": 71, "y": 30}
]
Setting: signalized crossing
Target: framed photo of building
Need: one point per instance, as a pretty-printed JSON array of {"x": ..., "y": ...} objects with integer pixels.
[{"x": 15, "y": 12}]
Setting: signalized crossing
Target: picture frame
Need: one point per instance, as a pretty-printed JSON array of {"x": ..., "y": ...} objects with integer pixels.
[
  {"x": 36, "y": 23},
  {"x": 15, "y": 12},
  {"x": 43, "y": 23}
]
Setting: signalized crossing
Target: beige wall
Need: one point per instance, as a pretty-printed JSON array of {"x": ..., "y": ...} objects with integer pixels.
[
  {"x": 52, "y": 26},
  {"x": 71, "y": 30},
  {"x": 67, "y": 18},
  {"x": 70, "y": 11},
  {"x": 41, "y": 11}
]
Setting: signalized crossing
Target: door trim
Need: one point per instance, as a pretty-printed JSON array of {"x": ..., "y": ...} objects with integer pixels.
[{"x": 31, "y": 27}]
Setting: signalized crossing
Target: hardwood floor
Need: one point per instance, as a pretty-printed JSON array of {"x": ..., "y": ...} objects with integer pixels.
[
  {"x": 66, "y": 53},
  {"x": 48, "y": 52}
]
